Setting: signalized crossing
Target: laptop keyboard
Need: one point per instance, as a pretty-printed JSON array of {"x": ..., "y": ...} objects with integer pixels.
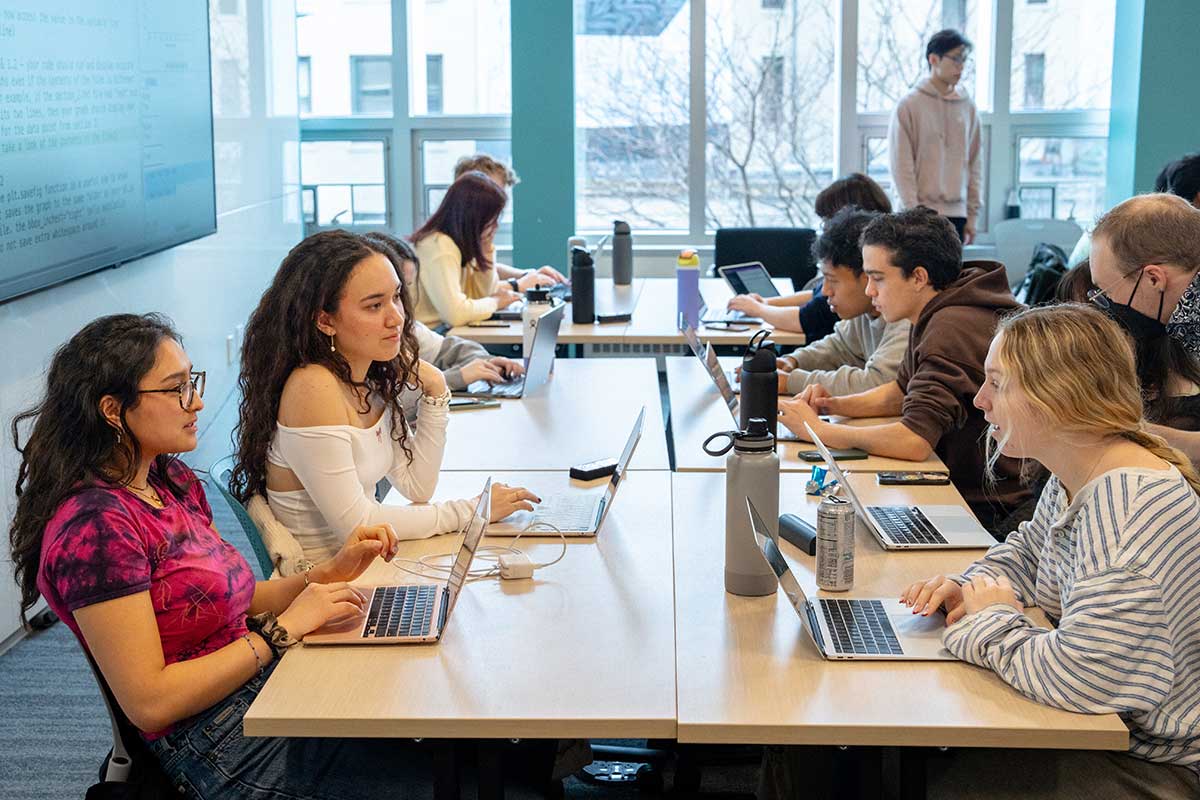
[
  {"x": 568, "y": 512},
  {"x": 860, "y": 627},
  {"x": 513, "y": 389},
  {"x": 400, "y": 611},
  {"x": 905, "y": 525}
]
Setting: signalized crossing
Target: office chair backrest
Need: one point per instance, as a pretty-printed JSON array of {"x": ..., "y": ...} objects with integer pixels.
[
  {"x": 130, "y": 770},
  {"x": 785, "y": 252},
  {"x": 248, "y": 528},
  {"x": 1017, "y": 238}
]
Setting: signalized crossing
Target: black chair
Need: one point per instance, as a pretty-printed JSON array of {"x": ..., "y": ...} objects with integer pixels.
[
  {"x": 129, "y": 770},
  {"x": 785, "y": 252}
]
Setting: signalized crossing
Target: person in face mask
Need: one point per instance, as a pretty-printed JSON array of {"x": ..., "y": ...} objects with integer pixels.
[{"x": 1145, "y": 264}]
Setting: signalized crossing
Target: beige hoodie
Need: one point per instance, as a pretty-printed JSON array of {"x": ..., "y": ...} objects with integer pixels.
[{"x": 934, "y": 149}]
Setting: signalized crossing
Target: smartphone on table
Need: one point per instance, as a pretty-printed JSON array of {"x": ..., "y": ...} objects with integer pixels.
[
  {"x": 912, "y": 478},
  {"x": 847, "y": 454}
]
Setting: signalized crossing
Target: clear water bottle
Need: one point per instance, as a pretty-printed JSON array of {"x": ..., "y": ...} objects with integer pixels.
[
  {"x": 760, "y": 381},
  {"x": 622, "y": 254},
  {"x": 537, "y": 303},
  {"x": 687, "y": 297},
  {"x": 583, "y": 287},
  {"x": 751, "y": 471}
]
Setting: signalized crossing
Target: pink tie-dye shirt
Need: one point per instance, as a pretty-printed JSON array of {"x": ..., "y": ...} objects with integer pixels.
[{"x": 104, "y": 543}]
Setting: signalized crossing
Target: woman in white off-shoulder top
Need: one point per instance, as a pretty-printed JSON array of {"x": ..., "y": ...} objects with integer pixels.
[{"x": 326, "y": 354}]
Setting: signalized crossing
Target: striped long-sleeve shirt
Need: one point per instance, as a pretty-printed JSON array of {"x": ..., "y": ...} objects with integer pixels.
[{"x": 1118, "y": 570}]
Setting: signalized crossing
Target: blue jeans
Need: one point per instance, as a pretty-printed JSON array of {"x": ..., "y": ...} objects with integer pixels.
[{"x": 208, "y": 757}]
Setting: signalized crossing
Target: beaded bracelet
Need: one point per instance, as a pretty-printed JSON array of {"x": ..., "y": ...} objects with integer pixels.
[{"x": 257, "y": 658}]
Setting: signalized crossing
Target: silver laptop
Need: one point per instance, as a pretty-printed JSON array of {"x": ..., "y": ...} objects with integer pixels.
[
  {"x": 415, "y": 613},
  {"x": 537, "y": 367},
  {"x": 721, "y": 378},
  {"x": 854, "y": 628},
  {"x": 725, "y": 316},
  {"x": 923, "y": 527},
  {"x": 574, "y": 513},
  {"x": 749, "y": 278}
]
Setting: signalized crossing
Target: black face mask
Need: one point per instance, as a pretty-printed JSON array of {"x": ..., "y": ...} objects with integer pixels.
[{"x": 1137, "y": 324}]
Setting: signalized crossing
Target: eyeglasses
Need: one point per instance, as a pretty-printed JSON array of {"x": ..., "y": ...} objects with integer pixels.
[
  {"x": 1100, "y": 296},
  {"x": 187, "y": 391}
]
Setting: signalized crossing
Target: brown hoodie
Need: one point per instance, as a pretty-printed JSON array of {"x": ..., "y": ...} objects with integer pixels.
[{"x": 940, "y": 374}]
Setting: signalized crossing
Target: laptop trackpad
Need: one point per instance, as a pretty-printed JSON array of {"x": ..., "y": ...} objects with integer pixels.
[
  {"x": 951, "y": 519},
  {"x": 920, "y": 636}
]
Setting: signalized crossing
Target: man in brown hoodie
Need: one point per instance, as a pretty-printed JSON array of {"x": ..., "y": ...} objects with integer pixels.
[
  {"x": 913, "y": 262},
  {"x": 934, "y": 139}
]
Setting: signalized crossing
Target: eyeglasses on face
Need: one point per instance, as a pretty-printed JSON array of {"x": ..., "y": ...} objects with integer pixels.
[{"x": 187, "y": 391}]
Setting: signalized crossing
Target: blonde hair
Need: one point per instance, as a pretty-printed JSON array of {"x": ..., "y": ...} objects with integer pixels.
[
  {"x": 1075, "y": 367},
  {"x": 481, "y": 162}
]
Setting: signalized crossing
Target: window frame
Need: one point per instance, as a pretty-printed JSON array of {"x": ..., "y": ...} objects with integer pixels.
[{"x": 1003, "y": 127}]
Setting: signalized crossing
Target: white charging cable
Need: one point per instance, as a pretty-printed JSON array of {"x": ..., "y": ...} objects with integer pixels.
[{"x": 505, "y": 561}]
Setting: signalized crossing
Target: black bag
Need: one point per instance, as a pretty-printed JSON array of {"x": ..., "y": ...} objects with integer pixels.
[
  {"x": 146, "y": 779},
  {"x": 1046, "y": 268}
]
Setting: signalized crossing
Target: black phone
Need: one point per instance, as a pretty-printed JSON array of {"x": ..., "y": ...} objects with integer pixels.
[
  {"x": 594, "y": 469},
  {"x": 849, "y": 454},
  {"x": 472, "y": 402},
  {"x": 912, "y": 478}
]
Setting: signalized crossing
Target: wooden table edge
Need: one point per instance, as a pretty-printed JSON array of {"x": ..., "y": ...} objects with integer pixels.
[{"x": 888, "y": 736}]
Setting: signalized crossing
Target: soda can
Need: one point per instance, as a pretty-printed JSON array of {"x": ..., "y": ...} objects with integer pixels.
[{"x": 835, "y": 544}]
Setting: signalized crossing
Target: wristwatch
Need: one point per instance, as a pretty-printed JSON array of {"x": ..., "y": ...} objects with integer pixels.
[{"x": 516, "y": 287}]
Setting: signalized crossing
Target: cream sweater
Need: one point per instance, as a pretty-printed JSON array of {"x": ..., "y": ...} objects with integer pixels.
[
  {"x": 448, "y": 291},
  {"x": 935, "y": 154}
]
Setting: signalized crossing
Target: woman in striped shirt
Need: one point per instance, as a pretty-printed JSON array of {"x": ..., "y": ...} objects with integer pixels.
[{"x": 1110, "y": 556}]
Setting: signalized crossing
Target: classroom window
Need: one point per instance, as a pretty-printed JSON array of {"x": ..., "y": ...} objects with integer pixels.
[
  {"x": 769, "y": 127},
  {"x": 1062, "y": 177},
  {"x": 334, "y": 35},
  {"x": 345, "y": 181},
  {"x": 632, "y": 115},
  {"x": 476, "y": 78},
  {"x": 304, "y": 83},
  {"x": 892, "y": 35},
  {"x": 371, "y": 84},
  {"x": 1074, "y": 41}
]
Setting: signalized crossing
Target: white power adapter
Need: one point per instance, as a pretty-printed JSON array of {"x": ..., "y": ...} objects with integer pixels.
[{"x": 515, "y": 566}]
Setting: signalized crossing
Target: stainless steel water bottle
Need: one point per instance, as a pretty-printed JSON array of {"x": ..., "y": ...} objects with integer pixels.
[
  {"x": 751, "y": 471},
  {"x": 583, "y": 287}
]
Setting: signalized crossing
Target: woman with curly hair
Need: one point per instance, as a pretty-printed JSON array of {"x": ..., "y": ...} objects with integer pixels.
[
  {"x": 117, "y": 536},
  {"x": 326, "y": 354}
]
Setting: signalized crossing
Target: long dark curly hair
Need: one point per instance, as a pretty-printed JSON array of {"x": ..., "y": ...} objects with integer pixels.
[
  {"x": 282, "y": 336},
  {"x": 71, "y": 445}
]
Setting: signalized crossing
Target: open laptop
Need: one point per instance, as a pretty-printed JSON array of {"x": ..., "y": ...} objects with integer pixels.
[
  {"x": 559, "y": 292},
  {"x": 722, "y": 378},
  {"x": 853, "y": 628},
  {"x": 537, "y": 367},
  {"x": 574, "y": 513},
  {"x": 924, "y": 527},
  {"x": 415, "y": 613},
  {"x": 749, "y": 278},
  {"x": 724, "y": 316}
]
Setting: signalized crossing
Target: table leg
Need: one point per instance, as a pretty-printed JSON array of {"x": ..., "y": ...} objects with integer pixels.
[
  {"x": 912, "y": 773},
  {"x": 491, "y": 770}
]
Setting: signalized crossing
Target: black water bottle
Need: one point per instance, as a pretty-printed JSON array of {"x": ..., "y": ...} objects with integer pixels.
[
  {"x": 760, "y": 381},
  {"x": 583, "y": 287}
]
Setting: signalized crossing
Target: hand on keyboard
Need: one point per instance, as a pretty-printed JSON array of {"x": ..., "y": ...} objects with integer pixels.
[{"x": 507, "y": 500}]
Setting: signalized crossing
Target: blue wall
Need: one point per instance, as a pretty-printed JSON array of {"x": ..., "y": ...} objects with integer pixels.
[
  {"x": 1155, "y": 113},
  {"x": 543, "y": 130}
]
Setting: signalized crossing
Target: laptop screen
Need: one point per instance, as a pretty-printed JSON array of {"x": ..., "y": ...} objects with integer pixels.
[
  {"x": 630, "y": 445},
  {"x": 471, "y": 537},
  {"x": 775, "y": 560},
  {"x": 751, "y": 278},
  {"x": 541, "y": 355}
]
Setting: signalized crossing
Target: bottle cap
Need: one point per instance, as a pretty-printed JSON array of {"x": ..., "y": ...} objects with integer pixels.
[
  {"x": 756, "y": 438},
  {"x": 537, "y": 294},
  {"x": 688, "y": 258},
  {"x": 580, "y": 257},
  {"x": 620, "y": 227}
]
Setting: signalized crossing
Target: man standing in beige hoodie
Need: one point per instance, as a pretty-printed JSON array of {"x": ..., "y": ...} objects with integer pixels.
[{"x": 934, "y": 139}]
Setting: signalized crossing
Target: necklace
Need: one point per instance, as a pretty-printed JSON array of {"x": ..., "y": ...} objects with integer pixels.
[{"x": 147, "y": 493}]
